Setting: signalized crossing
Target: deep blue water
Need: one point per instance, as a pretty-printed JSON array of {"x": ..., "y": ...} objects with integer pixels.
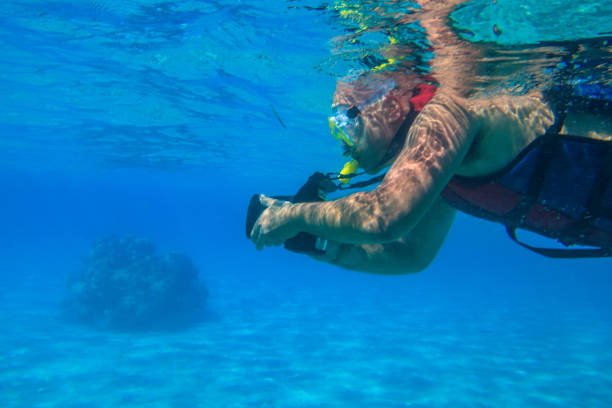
[{"x": 157, "y": 119}]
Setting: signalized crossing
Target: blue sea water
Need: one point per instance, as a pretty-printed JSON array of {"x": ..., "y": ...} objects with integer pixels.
[{"x": 159, "y": 119}]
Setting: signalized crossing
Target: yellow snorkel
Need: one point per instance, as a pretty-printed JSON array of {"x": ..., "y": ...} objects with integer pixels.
[
  {"x": 349, "y": 168},
  {"x": 338, "y": 133}
]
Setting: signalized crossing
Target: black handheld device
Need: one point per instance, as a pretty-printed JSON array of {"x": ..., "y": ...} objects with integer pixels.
[{"x": 313, "y": 190}]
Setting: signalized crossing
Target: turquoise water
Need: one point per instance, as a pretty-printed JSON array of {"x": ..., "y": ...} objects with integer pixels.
[
  {"x": 530, "y": 21},
  {"x": 159, "y": 119}
]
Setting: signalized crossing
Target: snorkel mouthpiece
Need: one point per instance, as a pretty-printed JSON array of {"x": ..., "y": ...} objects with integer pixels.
[{"x": 348, "y": 169}]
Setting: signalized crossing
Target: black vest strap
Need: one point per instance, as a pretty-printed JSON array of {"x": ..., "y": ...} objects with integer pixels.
[
  {"x": 561, "y": 252},
  {"x": 597, "y": 204}
]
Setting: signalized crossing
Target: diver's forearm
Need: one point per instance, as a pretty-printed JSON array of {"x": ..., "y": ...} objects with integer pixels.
[
  {"x": 453, "y": 64},
  {"x": 354, "y": 219},
  {"x": 435, "y": 147}
]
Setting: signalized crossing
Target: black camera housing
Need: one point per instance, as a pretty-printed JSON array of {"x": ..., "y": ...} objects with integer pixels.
[{"x": 313, "y": 190}]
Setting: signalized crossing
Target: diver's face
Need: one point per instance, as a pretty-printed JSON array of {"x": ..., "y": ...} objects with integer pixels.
[{"x": 369, "y": 134}]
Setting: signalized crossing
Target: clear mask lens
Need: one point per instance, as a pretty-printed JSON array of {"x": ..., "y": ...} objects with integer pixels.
[{"x": 343, "y": 125}]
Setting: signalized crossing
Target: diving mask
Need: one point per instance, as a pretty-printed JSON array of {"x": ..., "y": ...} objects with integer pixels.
[
  {"x": 346, "y": 119},
  {"x": 343, "y": 125}
]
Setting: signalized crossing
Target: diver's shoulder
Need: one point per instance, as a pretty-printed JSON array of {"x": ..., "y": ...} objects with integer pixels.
[
  {"x": 507, "y": 124},
  {"x": 450, "y": 109},
  {"x": 531, "y": 108},
  {"x": 449, "y": 102}
]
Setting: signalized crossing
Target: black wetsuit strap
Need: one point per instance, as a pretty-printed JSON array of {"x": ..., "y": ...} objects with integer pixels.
[
  {"x": 361, "y": 184},
  {"x": 561, "y": 252},
  {"x": 560, "y": 107}
]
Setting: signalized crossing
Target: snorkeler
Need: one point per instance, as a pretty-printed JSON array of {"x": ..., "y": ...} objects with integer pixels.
[{"x": 502, "y": 158}]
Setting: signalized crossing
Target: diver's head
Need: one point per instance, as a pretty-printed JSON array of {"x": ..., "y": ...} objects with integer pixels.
[{"x": 368, "y": 112}]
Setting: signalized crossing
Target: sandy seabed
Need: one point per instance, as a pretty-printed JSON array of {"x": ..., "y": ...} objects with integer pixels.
[{"x": 268, "y": 349}]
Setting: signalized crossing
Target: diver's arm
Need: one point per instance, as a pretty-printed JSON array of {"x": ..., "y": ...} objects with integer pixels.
[
  {"x": 410, "y": 254},
  {"x": 454, "y": 61},
  {"x": 435, "y": 147},
  {"x": 436, "y": 144}
]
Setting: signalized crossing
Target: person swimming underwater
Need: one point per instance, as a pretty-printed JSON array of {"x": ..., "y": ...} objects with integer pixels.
[{"x": 434, "y": 138}]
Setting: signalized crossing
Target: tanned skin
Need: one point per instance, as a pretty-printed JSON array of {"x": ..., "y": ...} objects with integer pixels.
[{"x": 400, "y": 226}]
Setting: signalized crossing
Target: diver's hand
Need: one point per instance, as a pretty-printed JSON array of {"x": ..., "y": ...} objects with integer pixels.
[{"x": 276, "y": 223}]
